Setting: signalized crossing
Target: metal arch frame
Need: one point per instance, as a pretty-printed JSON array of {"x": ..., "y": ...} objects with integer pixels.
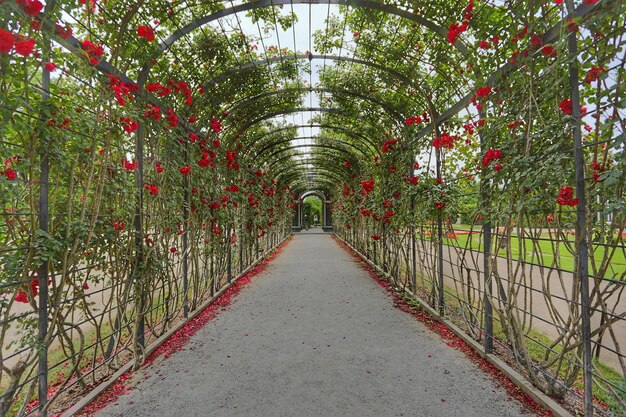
[
  {"x": 337, "y": 169},
  {"x": 325, "y": 204},
  {"x": 280, "y": 59},
  {"x": 199, "y": 22},
  {"x": 342, "y": 129},
  {"x": 331, "y": 175},
  {"x": 331, "y": 178},
  {"x": 270, "y": 146},
  {"x": 395, "y": 112},
  {"x": 261, "y": 152},
  {"x": 313, "y": 145},
  {"x": 322, "y": 184},
  {"x": 318, "y": 193},
  {"x": 380, "y": 67},
  {"x": 73, "y": 45},
  {"x": 290, "y": 111},
  {"x": 296, "y": 161},
  {"x": 325, "y": 180}
]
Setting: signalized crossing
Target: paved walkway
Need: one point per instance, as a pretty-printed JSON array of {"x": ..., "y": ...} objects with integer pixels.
[{"x": 315, "y": 336}]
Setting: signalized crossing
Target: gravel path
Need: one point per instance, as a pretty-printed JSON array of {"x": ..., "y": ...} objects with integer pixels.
[{"x": 314, "y": 335}]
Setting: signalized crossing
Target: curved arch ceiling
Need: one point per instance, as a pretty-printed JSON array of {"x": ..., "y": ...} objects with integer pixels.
[
  {"x": 388, "y": 108},
  {"x": 262, "y": 108}
]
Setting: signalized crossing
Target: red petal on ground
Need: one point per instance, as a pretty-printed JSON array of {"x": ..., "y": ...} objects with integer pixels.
[
  {"x": 178, "y": 340},
  {"x": 451, "y": 339}
]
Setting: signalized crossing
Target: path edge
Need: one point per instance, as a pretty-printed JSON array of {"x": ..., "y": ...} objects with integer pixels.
[
  {"x": 515, "y": 377},
  {"x": 95, "y": 393}
]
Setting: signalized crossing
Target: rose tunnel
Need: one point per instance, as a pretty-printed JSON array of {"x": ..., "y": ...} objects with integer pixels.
[{"x": 155, "y": 151}]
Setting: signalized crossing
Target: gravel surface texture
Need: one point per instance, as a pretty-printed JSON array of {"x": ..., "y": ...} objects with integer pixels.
[{"x": 314, "y": 335}]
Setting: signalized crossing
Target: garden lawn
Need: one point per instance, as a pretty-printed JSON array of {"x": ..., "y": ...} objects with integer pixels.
[{"x": 542, "y": 251}]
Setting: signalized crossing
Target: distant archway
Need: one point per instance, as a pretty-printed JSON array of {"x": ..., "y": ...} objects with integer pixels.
[{"x": 298, "y": 215}]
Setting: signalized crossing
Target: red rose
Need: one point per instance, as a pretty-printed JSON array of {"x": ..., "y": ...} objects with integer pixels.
[
  {"x": 388, "y": 145},
  {"x": 31, "y": 7},
  {"x": 64, "y": 32},
  {"x": 145, "y": 32},
  {"x": 6, "y": 41},
  {"x": 50, "y": 66},
  {"x": 565, "y": 197},
  {"x": 24, "y": 48},
  {"x": 548, "y": 50},
  {"x": 566, "y": 106},
  {"x": 594, "y": 74},
  {"x": 94, "y": 52},
  {"x": 185, "y": 170},
  {"x": 21, "y": 297},
  {"x": 483, "y": 91},
  {"x": 216, "y": 126},
  {"x": 10, "y": 174}
]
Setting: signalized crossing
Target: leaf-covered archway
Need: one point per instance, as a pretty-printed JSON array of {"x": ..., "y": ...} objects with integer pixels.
[{"x": 153, "y": 150}]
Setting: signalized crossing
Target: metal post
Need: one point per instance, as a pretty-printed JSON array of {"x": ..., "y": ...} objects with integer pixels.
[
  {"x": 439, "y": 232},
  {"x": 186, "y": 197},
  {"x": 486, "y": 228},
  {"x": 487, "y": 277},
  {"x": 229, "y": 259},
  {"x": 42, "y": 271},
  {"x": 383, "y": 250},
  {"x": 582, "y": 267},
  {"x": 211, "y": 274},
  {"x": 240, "y": 247},
  {"x": 140, "y": 331},
  {"x": 412, "y": 229}
]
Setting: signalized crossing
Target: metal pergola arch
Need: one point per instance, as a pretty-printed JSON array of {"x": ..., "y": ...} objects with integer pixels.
[
  {"x": 337, "y": 169},
  {"x": 341, "y": 129},
  {"x": 393, "y": 73},
  {"x": 294, "y": 178},
  {"x": 388, "y": 108},
  {"x": 241, "y": 130},
  {"x": 199, "y": 22},
  {"x": 312, "y": 145},
  {"x": 331, "y": 140},
  {"x": 320, "y": 171}
]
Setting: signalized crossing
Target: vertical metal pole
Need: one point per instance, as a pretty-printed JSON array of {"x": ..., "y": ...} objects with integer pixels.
[
  {"x": 42, "y": 271},
  {"x": 412, "y": 229},
  {"x": 383, "y": 249},
  {"x": 250, "y": 247},
  {"x": 186, "y": 196},
  {"x": 229, "y": 259},
  {"x": 211, "y": 274},
  {"x": 439, "y": 233},
  {"x": 582, "y": 267},
  {"x": 140, "y": 331},
  {"x": 487, "y": 238},
  {"x": 487, "y": 276},
  {"x": 240, "y": 246},
  {"x": 375, "y": 253}
]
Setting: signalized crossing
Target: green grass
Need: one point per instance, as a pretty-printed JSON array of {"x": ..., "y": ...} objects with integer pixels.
[
  {"x": 535, "y": 342},
  {"x": 543, "y": 252}
]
